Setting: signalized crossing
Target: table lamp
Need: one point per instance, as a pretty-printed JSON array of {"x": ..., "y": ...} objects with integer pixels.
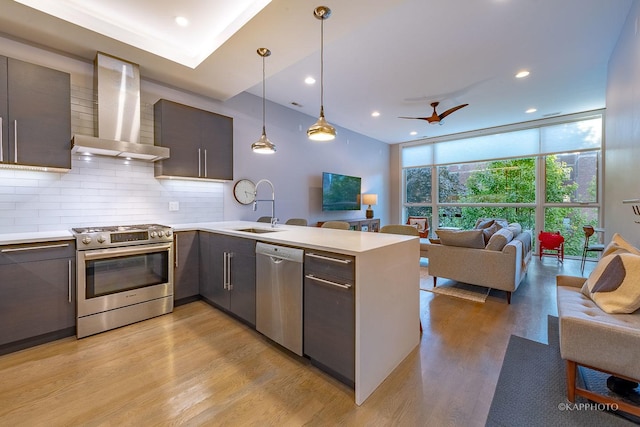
[{"x": 370, "y": 199}]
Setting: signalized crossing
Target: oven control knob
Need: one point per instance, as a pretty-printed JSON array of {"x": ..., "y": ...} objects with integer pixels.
[
  {"x": 168, "y": 233},
  {"x": 153, "y": 234},
  {"x": 160, "y": 233},
  {"x": 86, "y": 240},
  {"x": 101, "y": 239}
]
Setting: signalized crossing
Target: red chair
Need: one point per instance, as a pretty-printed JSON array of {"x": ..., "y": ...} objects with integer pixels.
[{"x": 551, "y": 243}]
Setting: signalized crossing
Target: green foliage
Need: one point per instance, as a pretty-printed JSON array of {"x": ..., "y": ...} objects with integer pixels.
[{"x": 418, "y": 185}]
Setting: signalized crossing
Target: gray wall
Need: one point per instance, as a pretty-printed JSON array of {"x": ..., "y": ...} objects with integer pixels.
[
  {"x": 622, "y": 131},
  {"x": 113, "y": 191}
]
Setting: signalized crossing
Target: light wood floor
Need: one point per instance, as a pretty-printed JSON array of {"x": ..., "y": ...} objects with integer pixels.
[{"x": 197, "y": 366}]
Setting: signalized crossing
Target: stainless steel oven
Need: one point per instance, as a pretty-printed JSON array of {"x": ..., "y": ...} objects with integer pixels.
[{"x": 124, "y": 275}]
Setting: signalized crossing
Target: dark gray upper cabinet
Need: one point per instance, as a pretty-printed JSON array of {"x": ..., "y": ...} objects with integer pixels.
[
  {"x": 35, "y": 106},
  {"x": 201, "y": 142},
  {"x": 37, "y": 290}
]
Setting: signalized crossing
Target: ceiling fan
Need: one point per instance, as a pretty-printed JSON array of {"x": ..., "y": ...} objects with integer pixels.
[{"x": 436, "y": 118}]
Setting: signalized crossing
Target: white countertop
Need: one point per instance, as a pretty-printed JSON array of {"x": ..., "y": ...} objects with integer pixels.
[
  {"x": 35, "y": 237},
  {"x": 348, "y": 242}
]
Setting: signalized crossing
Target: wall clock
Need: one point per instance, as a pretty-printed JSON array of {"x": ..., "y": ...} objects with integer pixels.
[{"x": 244, "y": 191}]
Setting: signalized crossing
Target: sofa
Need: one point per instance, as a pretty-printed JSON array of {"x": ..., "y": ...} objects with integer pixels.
[
  {"x": 599, "y": 319},
  {"x": 495, "y": 254}
]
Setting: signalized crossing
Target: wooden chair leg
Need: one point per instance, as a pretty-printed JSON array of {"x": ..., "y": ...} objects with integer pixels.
[
  {"x": 508, "y": 297},
  {"x": 434, "y": 281},
  {"x": 571, "y": 380}
]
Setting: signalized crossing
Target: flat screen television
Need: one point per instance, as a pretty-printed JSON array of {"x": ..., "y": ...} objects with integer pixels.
[{"x": 340, "y": 192}]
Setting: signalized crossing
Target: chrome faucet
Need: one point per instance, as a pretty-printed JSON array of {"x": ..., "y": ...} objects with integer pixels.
[{"x": 274, "y": 220}]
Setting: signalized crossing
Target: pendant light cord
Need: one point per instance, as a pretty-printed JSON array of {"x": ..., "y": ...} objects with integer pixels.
[
  {"x": 322, "y": 66},
  {"x": 263, "y": 95}
]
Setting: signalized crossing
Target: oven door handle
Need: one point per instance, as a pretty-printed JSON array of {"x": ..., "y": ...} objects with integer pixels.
[{"x": 118, "y": 252}]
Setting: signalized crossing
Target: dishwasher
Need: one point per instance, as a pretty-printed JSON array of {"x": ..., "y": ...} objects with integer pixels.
[{"x": 279, "y": 294}]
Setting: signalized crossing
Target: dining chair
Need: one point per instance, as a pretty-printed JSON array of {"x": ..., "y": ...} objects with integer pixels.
[
  {"x": 406, "y": 230},
  {"x": 588, "y": 247},
  {"x": 264, "y": 219},
  {"x": 339, "y": 225},
  {"x": 296, "y": 221}
]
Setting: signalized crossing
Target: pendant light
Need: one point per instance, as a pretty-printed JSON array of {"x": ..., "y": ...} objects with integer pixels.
[
  {"x": 263, "y": 145},
  {"x": 321, "y": 130}
]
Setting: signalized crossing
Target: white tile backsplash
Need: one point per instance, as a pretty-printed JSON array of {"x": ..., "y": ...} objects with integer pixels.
[{"x": 102, "y": 191}]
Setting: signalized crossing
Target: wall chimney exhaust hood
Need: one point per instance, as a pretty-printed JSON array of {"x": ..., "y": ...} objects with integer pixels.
[{"x": 117, "y": 113}]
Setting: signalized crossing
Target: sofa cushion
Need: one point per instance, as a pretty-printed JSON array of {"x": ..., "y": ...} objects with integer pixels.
[
  {"x": 619, "y": 245},
  {"x": 499, "y": 240},
  {"x": 515, "y": 228},
  {"x": 614, "y": 284},
  {"x": 463, "y": 238}
]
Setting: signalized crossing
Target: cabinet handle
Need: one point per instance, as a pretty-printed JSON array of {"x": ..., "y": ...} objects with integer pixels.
[
  {"x": 199, "y": 164},
  {"x": 15, "y": 140},
  {"x": 225, "y": 261},
  {"x": 175, "y": 252},
  {"x": 1, "y": 141},
  {"x": 328, "y": 282},
  {"x": 70, "y": 280},
  {"x": 32, "y": 248},
  {"x": 205, "y": 163},
  {"x": 326, "y": 258},
  {"x": 229, "y": 284}
]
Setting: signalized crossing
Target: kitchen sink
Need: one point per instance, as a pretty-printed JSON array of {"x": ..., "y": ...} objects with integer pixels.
[{"x": 257, "y": 230}]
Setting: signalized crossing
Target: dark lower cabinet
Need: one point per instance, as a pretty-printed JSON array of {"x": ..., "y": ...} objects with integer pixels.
[
  {"x": 329, "y": 313},
  {"x": 37, "y": 293},
  {"x": 228, "y": 274},
  {"x": 187, "y": 267}
]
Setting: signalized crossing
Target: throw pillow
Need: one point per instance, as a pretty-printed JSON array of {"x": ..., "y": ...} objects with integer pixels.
[
  {"x": 463, "y": 238},
  {"x": 419, "y": 223},
  {"x": 619, "y": 244},
  {"x": 614, "y": 284},
  {"x": 515, "y": 228},
  {"x": 483, "y": 223},
  {"x": 489, "y": 231},
  {"x": 499, "y": 240}
]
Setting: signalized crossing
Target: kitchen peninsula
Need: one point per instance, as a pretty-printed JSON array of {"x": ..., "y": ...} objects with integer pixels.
[
  {"x": 384, "y": 285},
  {"x": 387, "y": 280}
]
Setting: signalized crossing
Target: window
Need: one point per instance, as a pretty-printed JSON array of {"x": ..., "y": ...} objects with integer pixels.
[{"x": 546, "y": 177}]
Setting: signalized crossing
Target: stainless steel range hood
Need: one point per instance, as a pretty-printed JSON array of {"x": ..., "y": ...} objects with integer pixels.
[{"x": 117, "y": 85}]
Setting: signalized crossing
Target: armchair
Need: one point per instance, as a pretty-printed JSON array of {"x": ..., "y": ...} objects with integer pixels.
[
  {"x": 597, "y": 340},
  {"x": 421, "y": 224}
]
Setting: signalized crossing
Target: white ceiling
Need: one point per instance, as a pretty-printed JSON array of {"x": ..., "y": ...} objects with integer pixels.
[{"x": 391, "y": 56}]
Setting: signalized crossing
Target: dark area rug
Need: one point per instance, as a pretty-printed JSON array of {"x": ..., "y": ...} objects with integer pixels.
[{"x": 531, "y": 389}]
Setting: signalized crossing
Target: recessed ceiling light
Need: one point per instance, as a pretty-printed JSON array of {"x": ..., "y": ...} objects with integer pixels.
[
  {"x": 531, "y": 110},
  {"x": 182, "y": 21},
  {"x": 413, "y": 133},
  {"x": 375, "y": 114},
  {"x": 309, "y": 80},
  {"x": 522, "y": 74}
]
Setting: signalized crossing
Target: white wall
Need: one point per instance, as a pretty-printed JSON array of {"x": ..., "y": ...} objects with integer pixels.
[
  {"x": 622, "y": 131},
  {"x": 107, "y": 191}
]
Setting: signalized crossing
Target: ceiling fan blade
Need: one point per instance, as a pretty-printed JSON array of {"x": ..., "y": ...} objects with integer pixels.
[
  {"x": 451, "y": 110},
  {"x": 418, "y": 118}
]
